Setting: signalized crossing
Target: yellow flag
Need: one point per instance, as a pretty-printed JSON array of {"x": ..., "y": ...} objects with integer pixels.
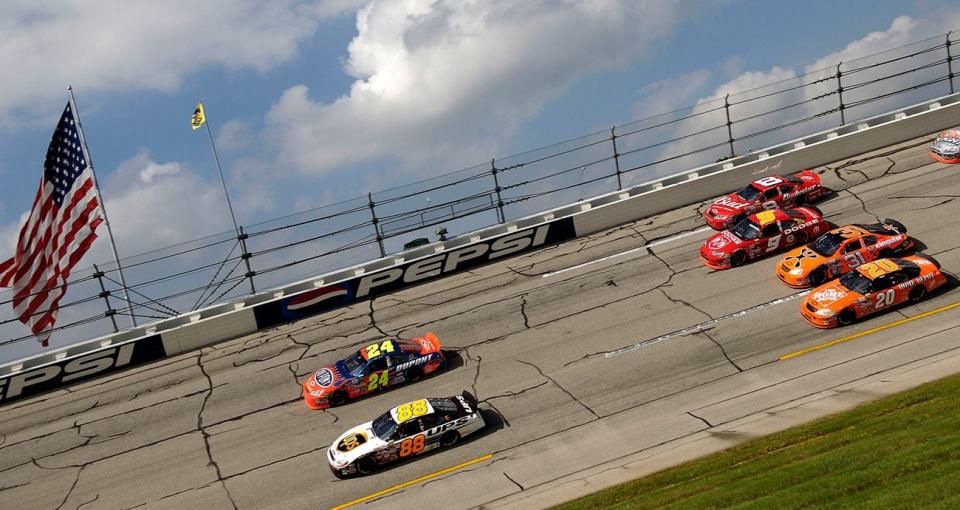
[{"x": 198, "y": 117}]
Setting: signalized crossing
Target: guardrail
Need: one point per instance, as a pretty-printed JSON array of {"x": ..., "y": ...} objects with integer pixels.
[{"x": 365, "y": 281}]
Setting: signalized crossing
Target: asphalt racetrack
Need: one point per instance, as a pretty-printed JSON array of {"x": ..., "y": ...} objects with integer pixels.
[{"x": 583, "y": 355}]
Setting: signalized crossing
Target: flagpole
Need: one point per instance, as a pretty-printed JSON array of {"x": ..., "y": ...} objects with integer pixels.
[
  {"x": 240, "y": 236},
  {"x": 216, "y": 159},
  {"x": 103, "y": 208}
]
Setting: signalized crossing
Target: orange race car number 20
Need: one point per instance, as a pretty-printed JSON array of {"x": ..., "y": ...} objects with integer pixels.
[{"x": 412, "y": 445}]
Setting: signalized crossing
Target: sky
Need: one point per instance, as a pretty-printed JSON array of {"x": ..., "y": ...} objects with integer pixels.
[{"x": 314, "y": 102}]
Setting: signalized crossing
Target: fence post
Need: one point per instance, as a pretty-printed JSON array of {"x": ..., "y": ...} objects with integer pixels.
[
  {"x": 496, "y": 187},
  {"x": 105, "y": 294},
  {"x": 843, "y": 120},
  {"x": 726, "y": 108},
  {"x": 949, "y": 62},
  {"x": 245, "y": 255},
  {"x": 616, "y": 156},
  {"x": 376, "y": 222}
]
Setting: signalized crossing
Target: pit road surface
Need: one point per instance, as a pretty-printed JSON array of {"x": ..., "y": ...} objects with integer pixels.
[{"x": 575, "y": 369}]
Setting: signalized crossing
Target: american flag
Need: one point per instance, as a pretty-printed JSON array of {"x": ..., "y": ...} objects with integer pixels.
[{"x": 61, "y": 227}]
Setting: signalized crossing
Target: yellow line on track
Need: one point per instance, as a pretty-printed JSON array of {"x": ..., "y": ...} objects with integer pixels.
[
  {"x": 869, "y": 332},
  {"x": 388, "y": 490}
]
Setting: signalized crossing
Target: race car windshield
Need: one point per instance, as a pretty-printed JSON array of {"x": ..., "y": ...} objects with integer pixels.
[
  {"x": 748, "y": 193},
  {"x": 827, "y": 244},
  {"x": 746, "y": 230},
  {"x": 856, "y": 282},
  {"x": 384, "y": 426},
  {"x": 354, "y": 363}
]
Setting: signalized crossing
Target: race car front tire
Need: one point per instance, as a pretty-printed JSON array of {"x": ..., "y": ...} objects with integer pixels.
[
  {"x": 818, "y": 276},
  {"x": 366, "y": 465},
  {"x": 846, "y": 317},
  {"x": 338, "y": 398},
  {"x": 738, "y": 259}
]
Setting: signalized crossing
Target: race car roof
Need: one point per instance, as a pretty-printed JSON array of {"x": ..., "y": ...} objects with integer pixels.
[
  {"x": 378, "y": 348},
  {"x": 405, "y": 412},
  {"x": 764, "y": 218},
  {"x": 874, "y": 270}
]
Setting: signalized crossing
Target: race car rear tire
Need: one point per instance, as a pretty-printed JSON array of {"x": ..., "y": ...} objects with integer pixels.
[
  {"x": 917, "y": 293},
  {"x": 885, "y": 254},
  {"x": 818, "y": 276},
  {"x": 366, "y": 465},
  {"x": 846, "y": 317},
  {"x": 802, "y": 238},
  {"x": 800, "y": 201},
  {"x": 414, "y": 374},
  {"x": 738, "y": 259},
  {"x": 338, "y": 398},
  {"x": 449, "y": 439}
]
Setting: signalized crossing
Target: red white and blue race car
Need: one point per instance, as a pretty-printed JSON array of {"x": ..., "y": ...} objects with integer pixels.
[
  {"x": 946, "y": 148},
  {"x": 771, "y": 192},
  {"x": 760, "y": 234},
  {"x": 373, "y": 368}
]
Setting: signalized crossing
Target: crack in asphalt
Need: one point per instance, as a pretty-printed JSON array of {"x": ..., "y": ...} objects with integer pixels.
[
  {"x": 206, "y": 435},
  {"x": 85, "y": 503},
  {"x": 704, "y": 420},
  {"x": 11, "y": 487},
  {"x": 558, "y": 385},
  {"x": 72, "y": 486},
  {"x": 511, "y": 393},
  {"x": 512, "y": 480},
  {"x": 523, "y": 311},
  {"x": 373, "y": 321},
  {"x": 863, "y": 205},
  {"x": 706, "y": 333},
  {"x": 688, "y": 331}
]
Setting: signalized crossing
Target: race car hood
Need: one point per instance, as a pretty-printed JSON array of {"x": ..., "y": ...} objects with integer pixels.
[
  {"x": 801, "y": 258},
  {"x": 724, "y": 241},
  {"x": 729, "y": 205},
  {"x": 362, "y": 437},
  {"x": 325, "y": 379},
  {"x": 832, "y": 295}
]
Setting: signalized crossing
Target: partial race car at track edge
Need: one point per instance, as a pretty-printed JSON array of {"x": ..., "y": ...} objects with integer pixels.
[
  {"x": 372, "y": 368},
  {"x": 760, "y": 234},
  {"x": 771, "y": 192},
  {"x": 405, "y": 431},
  {"x": 842, "y": 250},
  {"x": 946, "y": 147}
]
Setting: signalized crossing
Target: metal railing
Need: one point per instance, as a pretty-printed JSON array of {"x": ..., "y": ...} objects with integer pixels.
[{"x": 188, "y": 276}]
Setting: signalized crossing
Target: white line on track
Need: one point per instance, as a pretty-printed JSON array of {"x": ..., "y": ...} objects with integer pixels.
[
  {"x": 634, "y": 250},
  {"x": 704, "y": 325}
]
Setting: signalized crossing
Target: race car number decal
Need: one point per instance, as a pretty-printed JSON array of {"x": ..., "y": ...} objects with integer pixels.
[
  {"x": 878, "y": 268},
  {"x": 411, "y": 445},
  {"x": 411, "y": 410},
  {"x": 374, "y": 350},
  {"x": 766, "y": 217},
  {"x": 885, "y": 298},
  {"x": 854, "y": 259},
  {"x": 769, "y": 181},
  {"x": 377, "y": 380}
]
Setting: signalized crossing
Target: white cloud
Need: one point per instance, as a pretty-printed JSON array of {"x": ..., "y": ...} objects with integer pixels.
[
  {"x": 234, "y": 135},
  {"x": 152, "y": 205},
  {"x": 752, "y": 93},
  {"x": 438, "y": 78},
  {"x": 117, "y": 45},
  {"x": 668, "y": 95}
]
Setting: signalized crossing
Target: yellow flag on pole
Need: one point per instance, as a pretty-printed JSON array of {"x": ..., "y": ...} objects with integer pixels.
[{"x": 198, "y": 117}]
